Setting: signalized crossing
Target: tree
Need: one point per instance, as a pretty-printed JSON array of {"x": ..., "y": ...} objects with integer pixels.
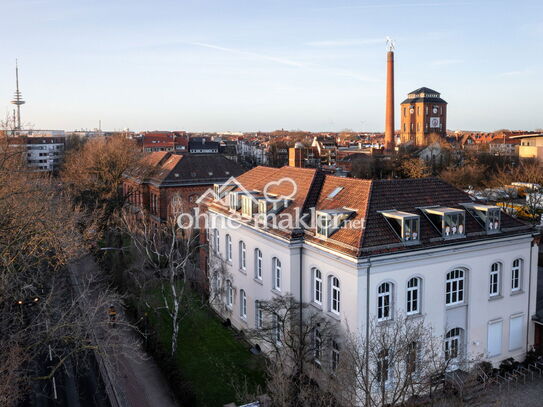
[
  {"x": 414, "y": 168},
  {"x": 166, "y": 258},
  {"x": 297, "y": 340},
  {"x": 469, "y": 174},
  {"x": 399, "y": 361},
  {"x": 93, "y": 174},
  {"x": 40, "y": 313}
]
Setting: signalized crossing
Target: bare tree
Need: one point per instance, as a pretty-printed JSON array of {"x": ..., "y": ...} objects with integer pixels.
[
  {"x": 166, "y": 258},
  {"x": 398, "y": 362},
  {"x": 40, "y": 311},
  {"x": 93, "y": 174},
  {"x": 298, "y": 342}
]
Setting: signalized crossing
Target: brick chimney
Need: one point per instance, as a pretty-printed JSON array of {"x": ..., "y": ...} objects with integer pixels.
[{"x": 389, "y": 120}]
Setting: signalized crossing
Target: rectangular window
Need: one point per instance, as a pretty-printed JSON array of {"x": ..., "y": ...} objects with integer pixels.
[
  {"x": 259, "y": 315},
  {"x": 515, "y": 332}
]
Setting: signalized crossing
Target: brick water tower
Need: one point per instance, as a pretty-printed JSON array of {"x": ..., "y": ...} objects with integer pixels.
[{"x": 423, "y": 114}]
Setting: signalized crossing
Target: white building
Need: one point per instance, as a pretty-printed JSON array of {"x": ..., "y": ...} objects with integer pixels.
[
  {"x": 418, "y": 246},
  {"x": 43, "y": 154}
]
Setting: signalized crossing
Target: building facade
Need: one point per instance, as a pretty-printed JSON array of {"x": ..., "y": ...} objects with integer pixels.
[
  {"x": 423, "y": 113},
  {"x": 42, "y": 153},
  {"x": 417, "y": 247}
]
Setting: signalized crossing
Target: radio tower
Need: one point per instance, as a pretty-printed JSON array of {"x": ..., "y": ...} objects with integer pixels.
[{"x": 18, "y": 98}]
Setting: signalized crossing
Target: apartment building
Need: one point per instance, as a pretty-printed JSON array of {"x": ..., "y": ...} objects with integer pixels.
[
  {"x": 42, "y": 153},
  {"x": 416, "y": 247}
]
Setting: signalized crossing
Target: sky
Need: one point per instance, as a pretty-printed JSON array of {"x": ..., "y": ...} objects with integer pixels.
[{"x": 232, "y": 65}]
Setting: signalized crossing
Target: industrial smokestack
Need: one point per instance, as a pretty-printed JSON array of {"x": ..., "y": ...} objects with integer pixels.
[{"x": 389, "y": 120}]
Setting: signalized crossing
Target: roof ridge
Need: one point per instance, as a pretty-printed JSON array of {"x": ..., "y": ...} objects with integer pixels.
[{"x": 366, "y": 209}]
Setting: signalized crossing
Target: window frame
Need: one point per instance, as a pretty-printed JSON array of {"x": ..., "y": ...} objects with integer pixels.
[
  {"x": 518, "y": 277},
  {"x": 317, "y": 285},
  {"x": 384, "y": 301},
  {"x": 452, "y": 286},
  {"x": 276, "y": 274},
  {"x": 243, "y": 304},
  {"x": 258, "y": 264},
  {"x": 416, "y": 289},
  {"x": 335, "y": 295},
  {"x": 228, "y": 248},
  {"x": 453, "y": 337},
  {"x": 495, "y": 280},
  {"x": 242, "y": 255},
  {"x": 229, "y": 294}
]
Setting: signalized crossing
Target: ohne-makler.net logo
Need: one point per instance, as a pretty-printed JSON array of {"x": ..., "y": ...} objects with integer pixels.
[{"x": 280, "y": 217}]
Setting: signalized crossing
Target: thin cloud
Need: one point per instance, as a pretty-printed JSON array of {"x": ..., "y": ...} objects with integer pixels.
[
  {"x": 444, "y": 62},
  {"x": 282, "y": 61},
  {"x": 330, "y": 71},
  {"x": 395, "y": 5},
  {"x": 513, "y": 73},
  {"x": 346, "y": 43}
]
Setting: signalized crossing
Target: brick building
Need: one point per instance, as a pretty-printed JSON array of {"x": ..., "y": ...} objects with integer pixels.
[
  {"x": 163, "y": 177},
  {"x": 423, "y": 113}
]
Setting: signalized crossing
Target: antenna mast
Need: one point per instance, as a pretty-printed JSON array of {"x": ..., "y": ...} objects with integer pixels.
[{"x": 18, "y": 97}]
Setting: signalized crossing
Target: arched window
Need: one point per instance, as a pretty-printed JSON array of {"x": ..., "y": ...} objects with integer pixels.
[
  {"x": 317, "y": 345},
  {"x": 516, "y": 275},
  {"x": 228, "y": 248},
  {"x": 229, "y": 293},
  {"x": 384, "y": 302},
  {"x": 335, "y": 355},
  {"x": 243, "y": 304},
  {"x": 216, "y": 241},
  {"x": 335, "y": 295},
  {"x": 413, "y": 296},
  {"x": 383, "y": 367},
  {"x": 453, "y": 341},
  {"x": 494, "y": 283},
  {"x": 454, "y": 288},
  {"x": 277, "y": 328},
  {"x": 317, "y": 285},
  {"x": 242, "y": 255},
  {"x": 276, "y": 274},
  {"x": 259, "y": 315},
  {"x": 258, "y": 264}
]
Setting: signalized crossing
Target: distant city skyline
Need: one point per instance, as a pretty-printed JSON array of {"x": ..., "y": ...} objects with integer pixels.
[{"x": 266, "y": 65}]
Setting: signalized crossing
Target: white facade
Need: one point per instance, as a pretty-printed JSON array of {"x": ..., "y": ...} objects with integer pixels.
[{"x": 494, "y": 320}]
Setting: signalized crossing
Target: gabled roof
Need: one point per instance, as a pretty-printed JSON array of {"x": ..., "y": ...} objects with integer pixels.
[{"x": 167, "y": 169}]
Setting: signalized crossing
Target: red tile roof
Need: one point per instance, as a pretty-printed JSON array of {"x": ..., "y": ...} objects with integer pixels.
[{"x": 366, "y": 198}]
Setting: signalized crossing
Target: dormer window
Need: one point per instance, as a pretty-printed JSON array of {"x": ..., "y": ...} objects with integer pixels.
[
  {"x": 488, "y": 215},
  {"x": 269, "y": 206},
  {"x": 234, "y": 201},
  {"x": 405, "y": 224},
  {"x": 248, "y": 205},
  {"x": 330, "y": 220},
  {"x": 451, "y": 221}
]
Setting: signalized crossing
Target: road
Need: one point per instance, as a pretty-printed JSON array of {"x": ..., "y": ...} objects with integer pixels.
[{"x": 135, "y": 379}]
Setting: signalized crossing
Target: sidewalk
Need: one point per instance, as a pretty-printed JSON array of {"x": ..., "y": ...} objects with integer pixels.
[{"x": 136, "y": 379}]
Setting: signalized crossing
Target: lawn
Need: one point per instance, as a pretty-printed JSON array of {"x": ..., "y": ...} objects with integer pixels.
[{"x": 211, "y": 358}]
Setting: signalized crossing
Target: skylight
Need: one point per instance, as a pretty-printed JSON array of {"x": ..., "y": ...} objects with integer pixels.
[{"x": 336, "y": 191}]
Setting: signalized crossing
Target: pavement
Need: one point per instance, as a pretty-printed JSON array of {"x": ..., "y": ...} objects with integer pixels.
[{"x": 133, "y": 379}]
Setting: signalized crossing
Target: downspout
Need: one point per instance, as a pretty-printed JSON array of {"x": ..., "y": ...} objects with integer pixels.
[
  {"x": 528, "y": 316},
  {"x": 367, "y": 351},
  {"x": 301, "y": 310}
]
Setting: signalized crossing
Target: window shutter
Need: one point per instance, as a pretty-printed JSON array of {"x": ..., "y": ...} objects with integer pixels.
[
  {"x": 494, "y": 346},
  {"x": 515, "y": 332}
]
